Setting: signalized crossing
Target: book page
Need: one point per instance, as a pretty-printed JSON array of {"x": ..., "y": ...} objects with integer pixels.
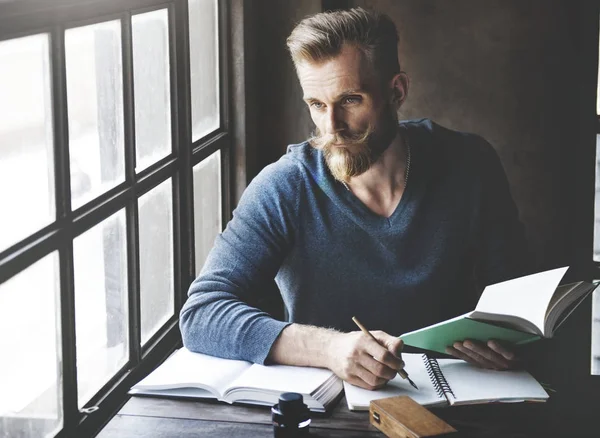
[
  {"x": 525, "y": 297},
  {"x": 184, "y": 369},
  {"x": 471, "y": 384},
  {"x": 358, "y": 399},
  {"x": 282, "y": 378},
  {"x": 564, "y": 307},
  {"x": 561, "y": 292}
]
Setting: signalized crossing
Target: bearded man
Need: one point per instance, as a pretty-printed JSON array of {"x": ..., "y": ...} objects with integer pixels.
[{"x": 398, "y": 223}]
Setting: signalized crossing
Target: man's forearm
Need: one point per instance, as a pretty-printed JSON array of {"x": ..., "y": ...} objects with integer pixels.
[{"x": 303, "y": 345}]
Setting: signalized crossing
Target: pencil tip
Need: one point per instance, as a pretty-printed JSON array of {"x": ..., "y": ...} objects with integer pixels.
[{"x": 413, "y": 384}]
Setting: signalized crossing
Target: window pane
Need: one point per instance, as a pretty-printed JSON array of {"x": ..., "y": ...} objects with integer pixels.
[
  {"x": 30, "y": 376},
  {"x": 596, "y": 332},
  {"x": 156, "y": 258},
  {"x": 152, "y": 87},
  {"x": 100, "y": 257},
  {"x": 95, "y": 104},
  {"x": 207, "y": 205},
  {"x": 598, "y": 85},
  {"x": 204, "y": 66},
  {"x": 597, "y": 204},
  {"x": 26, "y": 146}
]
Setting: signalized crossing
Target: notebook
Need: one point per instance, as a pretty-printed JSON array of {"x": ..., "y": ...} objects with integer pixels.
[
  {"x": 448, "y": 382},
  {"x": 194, "y": 375},
  {"x": 517, "y": 311}
]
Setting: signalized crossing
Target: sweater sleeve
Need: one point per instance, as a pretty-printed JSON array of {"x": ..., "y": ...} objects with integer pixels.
[
  {"x": 220, "y": 316},
  {"x": 503, "y": 250}
]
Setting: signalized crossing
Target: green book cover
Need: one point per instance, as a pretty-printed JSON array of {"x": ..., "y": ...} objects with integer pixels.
[{"x": 437, "y": 337}]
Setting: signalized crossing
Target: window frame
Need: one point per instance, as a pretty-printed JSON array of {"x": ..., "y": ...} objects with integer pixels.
[{"x": 29, "y": 17}]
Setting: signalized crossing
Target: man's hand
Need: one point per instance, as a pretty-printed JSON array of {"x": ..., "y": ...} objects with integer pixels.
[
  {"x": 493, "y": 355},
  {"x": 354, "y": 356},
  {"x": 359, "y": 360}
]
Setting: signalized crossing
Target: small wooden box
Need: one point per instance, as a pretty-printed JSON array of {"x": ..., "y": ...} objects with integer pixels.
[{"x": 402, "y": 417}]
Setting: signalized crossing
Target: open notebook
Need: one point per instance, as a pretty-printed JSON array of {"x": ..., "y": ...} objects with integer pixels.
[
  {"x": 445, "y": 382},
  {"x": 195, "y": 375}
]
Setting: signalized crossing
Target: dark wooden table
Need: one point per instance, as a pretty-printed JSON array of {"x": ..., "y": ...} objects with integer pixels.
[{"x": 144, "y": 417}]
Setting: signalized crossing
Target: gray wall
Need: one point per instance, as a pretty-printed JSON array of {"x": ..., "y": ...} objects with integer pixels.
[
  {"x": 284, "y": 118},
  {"x": 505, "y": 70},
  {"x": 272, "y": 114}
]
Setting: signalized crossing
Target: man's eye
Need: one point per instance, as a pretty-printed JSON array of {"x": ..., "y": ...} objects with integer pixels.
[
  {"x": 351, "y": 100},
  {"x": 316, "y": 105}
]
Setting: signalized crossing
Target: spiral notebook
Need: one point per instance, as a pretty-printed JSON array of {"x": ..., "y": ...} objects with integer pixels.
[{"x": 448, "y": 382}]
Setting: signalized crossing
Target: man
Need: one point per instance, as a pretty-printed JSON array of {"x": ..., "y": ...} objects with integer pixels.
[{"x": 399, "y": 224}]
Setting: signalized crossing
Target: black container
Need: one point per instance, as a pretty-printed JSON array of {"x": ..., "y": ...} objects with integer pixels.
[{"x": 291, "y": 417}]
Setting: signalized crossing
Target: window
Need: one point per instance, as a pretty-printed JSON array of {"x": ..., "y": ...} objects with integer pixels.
[
  {"x": 114, "y": 150},
  {"x": 596, "y": 293}
]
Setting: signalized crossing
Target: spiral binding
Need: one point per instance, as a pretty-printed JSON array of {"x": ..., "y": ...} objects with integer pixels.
[{"x": 437, "y": 377}]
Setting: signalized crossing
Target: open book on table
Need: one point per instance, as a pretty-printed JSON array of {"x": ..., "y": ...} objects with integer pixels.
[
  {"x": 444, "y": 382},
  {"x": 195, "y": 375},
  {"x": 517, "y": 311}
]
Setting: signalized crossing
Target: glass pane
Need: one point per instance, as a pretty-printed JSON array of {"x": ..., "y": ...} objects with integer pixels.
[
  {"x": 30, "y": 375},
  {"x": 597, "y": 204},
  {"x": 156, "y": 258},
  {"x": 100, "y": 258},
  {"x": 95, "y": 104},
  {"x": 26, "y": 146},
  {"x": 598, "y": 84},
  {"x": 207, "y": 205},
  {"x": 152, "y": 87},
  {"x": 596, "y": 294},
  {"x": 596, "y": 332},
  {"x": 204, "y": 66}
]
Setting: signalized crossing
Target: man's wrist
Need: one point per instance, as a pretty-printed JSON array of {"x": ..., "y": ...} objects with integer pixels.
[
  {"x": 304, "y": 345},
  {"x": 327, "y": 347}
]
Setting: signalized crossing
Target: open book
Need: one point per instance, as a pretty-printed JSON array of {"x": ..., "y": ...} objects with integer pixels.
[
  {"x": 517, "y": 311},
  {"x": 195, "y": 375},
  {"x": 444, "y": 382}
]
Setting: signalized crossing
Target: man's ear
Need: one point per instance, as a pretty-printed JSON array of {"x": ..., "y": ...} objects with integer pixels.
[{"x": 399, "y": 85}]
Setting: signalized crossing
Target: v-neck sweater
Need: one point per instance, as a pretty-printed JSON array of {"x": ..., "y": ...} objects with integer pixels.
[{"x": 455, "y": 230}]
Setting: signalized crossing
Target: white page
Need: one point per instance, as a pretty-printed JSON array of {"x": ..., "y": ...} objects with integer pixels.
[
  {"x": 472, "y": 384},
  {"x": 185, "y": 369},
  {"x": 527, "y": 297},
  {"x": 359, "y": 398},
  {"x": 282, "y": 378},
  {"x": 176, "y": 392}
]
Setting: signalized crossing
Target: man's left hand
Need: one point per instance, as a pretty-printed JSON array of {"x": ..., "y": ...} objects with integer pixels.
[{"x": 491, "y": 355}]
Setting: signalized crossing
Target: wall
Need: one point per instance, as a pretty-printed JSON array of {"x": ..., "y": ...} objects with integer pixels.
[
  {"x": 505, "y": 70},
  {"x": 284, "y": 118}
]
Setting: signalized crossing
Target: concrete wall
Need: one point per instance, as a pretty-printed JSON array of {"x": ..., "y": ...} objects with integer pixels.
[
  {"x": 505, "y": 70},
  {"x": 284, "y": 118}
]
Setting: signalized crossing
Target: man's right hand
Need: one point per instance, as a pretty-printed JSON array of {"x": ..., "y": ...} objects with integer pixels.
[
  {"x": 354, "y": 356},
  {"x": 359, "y": 360}
]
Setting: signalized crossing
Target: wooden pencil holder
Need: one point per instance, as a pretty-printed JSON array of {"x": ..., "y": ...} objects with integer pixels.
[{"x": 402, "y": 417}]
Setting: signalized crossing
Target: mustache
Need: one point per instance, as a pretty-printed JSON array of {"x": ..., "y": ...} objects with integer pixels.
[{"x": 326, "y": 141}]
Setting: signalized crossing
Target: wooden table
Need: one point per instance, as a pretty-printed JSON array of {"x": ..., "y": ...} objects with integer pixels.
[{"x": 144, "y": 417}]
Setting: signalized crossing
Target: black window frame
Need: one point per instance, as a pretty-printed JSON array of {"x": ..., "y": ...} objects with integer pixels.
[{"x": 29, "y": 17}]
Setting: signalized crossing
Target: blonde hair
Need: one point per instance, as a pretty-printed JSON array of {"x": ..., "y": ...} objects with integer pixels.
[{"x": 322, "y": 36}]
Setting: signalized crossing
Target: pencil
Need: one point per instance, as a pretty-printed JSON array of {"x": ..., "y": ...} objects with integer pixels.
[{"x": 402, "y": 372}]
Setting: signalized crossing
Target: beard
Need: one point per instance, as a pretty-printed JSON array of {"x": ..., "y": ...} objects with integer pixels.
[{"x": 361, "y": 149}]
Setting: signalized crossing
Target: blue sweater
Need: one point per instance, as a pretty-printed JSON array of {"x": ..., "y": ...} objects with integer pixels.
[{"x": 455, "y": 230}]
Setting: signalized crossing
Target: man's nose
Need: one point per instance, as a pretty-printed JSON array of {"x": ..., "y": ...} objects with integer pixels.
[{"x": 334, "y": 121}]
